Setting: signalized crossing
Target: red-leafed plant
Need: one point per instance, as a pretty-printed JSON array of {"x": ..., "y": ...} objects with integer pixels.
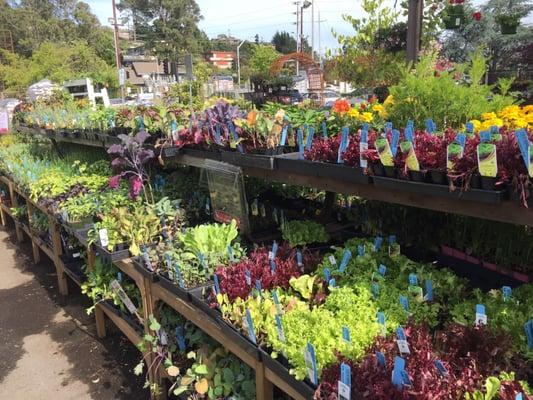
[
  {"x": 324, "y": 149},
  {"x": 233, "y": 280}
]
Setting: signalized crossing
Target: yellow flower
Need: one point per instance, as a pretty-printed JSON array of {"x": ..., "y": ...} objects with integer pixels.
[
  {"x": 477, "y": 124},
  {"x": 377, "y": 108},
  {"x": 488, "y": 116},
  {"x": 367, "y": 117},
  {"x": 354, "y": 112},
  {"x": 520, "y": 123},
  {"x": 389, "y": 100}
]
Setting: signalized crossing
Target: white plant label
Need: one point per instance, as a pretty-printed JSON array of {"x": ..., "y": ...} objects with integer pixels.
[
  {"x": 403, "y": 347},
  {"x": 117, "y": 288},
  {"x": 104, "y": 239},
  {"x": 344, "y": 391},
  {"x": 481, "y": 319}
]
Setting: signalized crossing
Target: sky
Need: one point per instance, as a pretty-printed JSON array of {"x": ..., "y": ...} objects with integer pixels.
[{"x": 246, "y": 18}]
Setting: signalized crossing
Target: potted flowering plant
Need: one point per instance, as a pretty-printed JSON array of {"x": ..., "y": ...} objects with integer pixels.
[
  {"x": 453, "y": 14},
  {"x": 508, "y": 23}
]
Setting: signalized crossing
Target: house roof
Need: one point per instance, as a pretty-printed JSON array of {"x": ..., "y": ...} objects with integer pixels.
[
  {"x": 133, "y": 78},
  {"x": 146, "y": 67}
]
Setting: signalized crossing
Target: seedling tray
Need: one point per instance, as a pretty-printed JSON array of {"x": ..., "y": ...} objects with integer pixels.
[
  {"x": 197, "y": 299},
  {"x": 139, "y": 266},
  {"x": 170, "y": 152},
  {"x": 482, "y": 196},
  {"x": 73, "y": 269},
  {"x": 291, "y": 163},
  {"x": 131, "y": 320},
  {"x": 280, "y": 367},
  {"x": 169, "y": 285},
  {"x": 243, "y": 342},
  {"x": 122, "y": 252},
  {"x": 248, "y": 160},
  {"x": 212, "y": 155}
]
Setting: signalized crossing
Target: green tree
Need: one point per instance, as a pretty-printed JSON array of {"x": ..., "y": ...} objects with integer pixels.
[
  {"x": 284, "y": 42},
  {"x": 261, "y": 59},
  {"x": 169, "y": 27}
]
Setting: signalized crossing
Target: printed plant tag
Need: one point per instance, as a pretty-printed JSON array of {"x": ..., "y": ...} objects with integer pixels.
[
  {"x": 384, "y": 151},
  {"x": 411, "y": 160},
  {"x": 487, "y": 161},
  {"x": 104, "y": 240},
  {"x": 454, "y": 151}
]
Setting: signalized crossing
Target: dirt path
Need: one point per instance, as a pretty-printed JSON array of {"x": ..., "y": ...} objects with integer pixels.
[{"x": 48, "y": 350}]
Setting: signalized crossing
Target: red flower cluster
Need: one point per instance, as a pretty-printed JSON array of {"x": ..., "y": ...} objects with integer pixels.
[{"x": 341, "y": 106}]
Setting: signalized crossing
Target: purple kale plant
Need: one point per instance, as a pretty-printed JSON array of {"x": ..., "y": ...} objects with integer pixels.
[{"x": 130, "y": 160}]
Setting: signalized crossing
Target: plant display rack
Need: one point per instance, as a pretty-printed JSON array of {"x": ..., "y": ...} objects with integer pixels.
[
  {"x": 152, "y": 293},
  {"x": 433, "y": 197}
]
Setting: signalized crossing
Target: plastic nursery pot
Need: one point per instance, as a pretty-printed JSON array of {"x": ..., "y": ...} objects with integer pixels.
[
  {"x": 139, "y": 266},
  {"x": 199, "y": 153},
  {"x": 508, "y": 29},
  {"x": 240, "y": 340},
  {"x": 174, "y": 288},
  {"x": 199, "y": 295},
  {"x": 438, "y": 177},
  {"x": 417, "y": 176},
  {"x": 248, "y": 160},
  {"x": 488, "y": 183},
  {"x": 390, "y": 172},
  {"x": 378, "y": 169}
]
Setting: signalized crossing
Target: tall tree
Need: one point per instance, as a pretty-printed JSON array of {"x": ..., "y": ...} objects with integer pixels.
[
  {"x": 169, "y": 27},
  {"x": 284, "y": 42}
]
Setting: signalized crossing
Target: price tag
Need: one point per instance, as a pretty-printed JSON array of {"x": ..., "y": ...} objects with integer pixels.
[
  {"x": 401, "y": 341},
  {"x": 481, "y": 316},
  {"x": 380, "y": 358},
  {"x": 310, "y": 363},
  {"x": 487, "y": 159},
  {"x": 104, "y": 239},
  {"x": 180, "y": 338},
  {"x": 345, "y": 259},
  {"x": 163, "y": 338},
  {"x": 384, "y": 152},
  {"x": 345, "y": 139},
  {"x": 117, "y": 288},
  {"x": 119, "y": 277},
  {"x": 345, "y": 384},
  {"x": 332, "y": 260}
]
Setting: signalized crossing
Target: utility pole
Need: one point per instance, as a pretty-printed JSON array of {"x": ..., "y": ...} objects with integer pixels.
[
  {"x": 297, "y": 3},
  {"x": 313, "y": 29},
  {"x": 239, "y": 62},
  {"x": 115, "y": 35},
  {"x": 320, "y": 36},
  {"x": 414, "y": 28}
]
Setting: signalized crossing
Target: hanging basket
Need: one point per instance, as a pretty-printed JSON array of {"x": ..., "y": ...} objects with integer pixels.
[
  {"x": 453, "y": 16},
  {"x": 508, "y": 23},
  {"x": 453, "y": 22}
]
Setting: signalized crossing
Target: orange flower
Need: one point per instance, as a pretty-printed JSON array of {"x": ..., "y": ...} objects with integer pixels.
[
  {"x": 341, "y": 106},
  {"x": 252, "y": 117}
]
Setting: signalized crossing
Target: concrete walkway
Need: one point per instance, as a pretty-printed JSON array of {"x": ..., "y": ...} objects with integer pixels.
[{"x": 49, "y": 351}]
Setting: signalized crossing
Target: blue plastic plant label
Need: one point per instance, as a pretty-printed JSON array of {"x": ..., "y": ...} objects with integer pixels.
[
  {"x": 272, "y": 266},
  {"x": 519, "y": 396},
  {"x": 235, "y": 137},
  {"x": 343, "y": 145},
  {"x": 429, "y": 290},
  {"x": 284, "y": 135},
  {"x": 327, "y": 274},
  {"x": 409, "y": 135},
  {"x": 481, "y": 316},
  {"x": 375, "y": 290},
  {"x": 300, "y": 142},
  {"x": 461, "y": 139},
  {"x": 469, "y": 127},
  {"x": 413, "y": 280},
  {"x": 377, "y": 243},
  {"x": 180, "y": 338},
  {"x": 394, "y": 142},
  {"x": 363, "y": 147},
  {"x": 119, "y": 277},
  {"x": 392, "y": 239},
  {"x": 217, "y": 134},
  {"x": 397, "y": 372},
  {"x": 272, "y": 254},
  {"x": 347, "y": 255},
  {"x": 346, "y": 334},
  {"x": 332, "y": 283},
  {"x": 345, "y": 383},
  {"x": 484, "y": 136},
  {"x": 230, "y": 253},
  {"x": 388, "y": 127},
  {"x": 248, "y": 277},
  {"x": 146, "y": 259},
  {"x": 275, "y": 215},
  {"x": 208, "y": 206},
  {"x": 380, "y": 359},
  {"x": 279, "y": 328},
  {"x": 382, "y": 270},
  {"x": 528, "y": 327},
  {"x": 299, "y": 259},
  {"x": 258, "y": 285},
  {"x": 275, "y": 298},
  {"x": 324, "y": 130},
  {"x": 401, "y": 341},
  {"x": 382, "y": 324},
  {"x": 250, "y": 326},
  {"x": 430, "y": 126},
  {"x": 441, "y": 368},
  {"x": 310, "y": 137},
  {"x": 310, "y": 363},
  {"x": 216, "y": 284},
  {"x": 506, "y": 292},
  {"x": 404, "y": 301},
  {"x": 179, "y": 277},
  {"x": 360, "y": 250}
]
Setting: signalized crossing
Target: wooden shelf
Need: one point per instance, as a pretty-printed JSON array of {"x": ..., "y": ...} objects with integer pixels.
[{"x": 129, "y": 331}]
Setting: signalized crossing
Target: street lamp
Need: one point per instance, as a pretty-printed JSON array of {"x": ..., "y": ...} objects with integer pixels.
[{"x": 306, "y": 4}]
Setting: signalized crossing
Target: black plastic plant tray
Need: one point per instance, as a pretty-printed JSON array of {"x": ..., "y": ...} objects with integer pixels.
[
  {"x": 243, "y": 342},
  {"x": 482, "y": 196},
  {"x": 131, "y": 320},
  {"x": 197, "y": 299},
  {"x": 291, "y": 163},
  {"x": 73, "y": 269},
  {"x": 173, "y": 288},
  {"x": 212, "y": 155},
  {"x": 281, "y": 368},
  {"x": 119, "y": 254},
  {"x": 138, "y": 264},
  {"x": 248, "y": 160},
  {"x": 169, "y": 152},
  {"x": 342, "y": 173}
]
